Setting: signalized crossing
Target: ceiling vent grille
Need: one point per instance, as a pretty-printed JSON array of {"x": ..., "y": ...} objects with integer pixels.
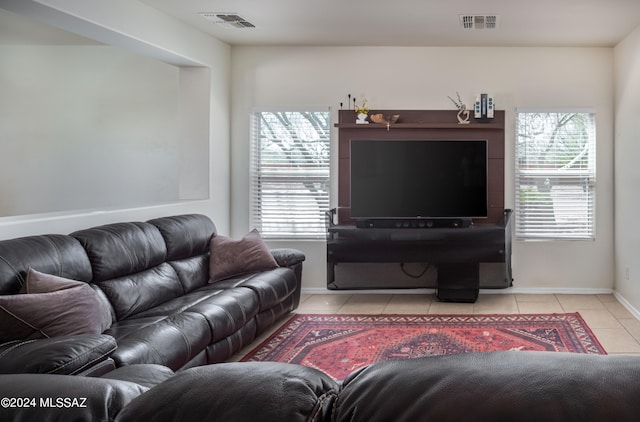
[
  {"x": 479, "y": 21},
  {"x": 227, "y": 20}
]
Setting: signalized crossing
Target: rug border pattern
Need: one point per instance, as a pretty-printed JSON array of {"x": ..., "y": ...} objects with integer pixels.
[{"x": 579, "y": 330}]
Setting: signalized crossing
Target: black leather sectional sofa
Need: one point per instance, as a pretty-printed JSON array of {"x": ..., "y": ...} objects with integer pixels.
[
  {"x": 152, "y": 280},
  {"x": 160, "y": 324},
  {"x": 498, "y": 386}
]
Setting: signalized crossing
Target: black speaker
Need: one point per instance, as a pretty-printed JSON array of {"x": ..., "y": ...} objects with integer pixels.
[
  {"x": 413, "y": 223},
  {"x": 458, "y": 282}
]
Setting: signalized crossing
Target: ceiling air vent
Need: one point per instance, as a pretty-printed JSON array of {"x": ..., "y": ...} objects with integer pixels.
[
  {"x": 227, "y": 20},
  {"x": 479, "y": 21}
]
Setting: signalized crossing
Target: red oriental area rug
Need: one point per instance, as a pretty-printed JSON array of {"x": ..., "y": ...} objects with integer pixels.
[{"x": 340, "y": 344}]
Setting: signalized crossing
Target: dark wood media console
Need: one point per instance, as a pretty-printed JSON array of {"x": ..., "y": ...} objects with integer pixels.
[{"x": 456, "y": 252}]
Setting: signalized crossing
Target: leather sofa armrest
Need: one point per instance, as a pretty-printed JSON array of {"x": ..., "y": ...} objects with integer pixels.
[
  {"x": 99, "y": 369},
  {"x": 291, "y": 258},
  {"x": 287, "y": 257},
  {"x": 53, "y": 398},
  {"x": 65, "y": 355}
]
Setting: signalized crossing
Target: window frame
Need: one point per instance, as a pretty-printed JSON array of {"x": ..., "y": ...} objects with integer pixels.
[
  {"x": 318, "y": 174},
  {"x": 582, "y": 178}
]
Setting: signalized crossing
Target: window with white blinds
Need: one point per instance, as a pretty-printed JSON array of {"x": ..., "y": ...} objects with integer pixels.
[
  {"x": 555, "y": 175},
  {"x": 290, "y": 173}
]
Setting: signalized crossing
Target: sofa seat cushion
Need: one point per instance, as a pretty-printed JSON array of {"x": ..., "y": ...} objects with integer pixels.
[
  {"x": 227, "y": 312},
  {"x": 271, "y": 287},
  {"x": 67, "y": 355},
  {"x": 178, "y": 304},
  {"x": 165, "y": 340},
  {"x": 147, "y": 375}
]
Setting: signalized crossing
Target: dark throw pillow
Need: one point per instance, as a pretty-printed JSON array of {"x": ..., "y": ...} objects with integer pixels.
[
  {"x": 235, "y": 257},
  {"x": 51, "y": 306}
]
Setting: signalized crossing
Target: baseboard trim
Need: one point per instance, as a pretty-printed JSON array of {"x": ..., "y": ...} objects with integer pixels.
[
  {"x": 323, "y": 291},
  {"x": 552, "y": 291},
  {"x": 627, "y": 305},
  {"x": 509, "y": 290}
]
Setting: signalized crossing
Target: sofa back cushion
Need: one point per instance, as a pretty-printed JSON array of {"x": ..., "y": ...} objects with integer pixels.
[
  {"x": 122, "y": 248},
  {"x": 185, "y": 235},
  {"x": 138, "y": 292},
  {"x": 128, "y": 261},
  {"x": 187, "y": 238},
  {"x": 54, "y": 254}
]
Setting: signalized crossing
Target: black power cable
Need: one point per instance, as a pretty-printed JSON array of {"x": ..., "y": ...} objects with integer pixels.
[{"x": 426, "y": 268}]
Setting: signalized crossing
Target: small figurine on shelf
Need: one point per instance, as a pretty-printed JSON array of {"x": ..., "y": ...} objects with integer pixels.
[
  {"x": 463, "y": 113},
  {"x": 362, "y": 111}
]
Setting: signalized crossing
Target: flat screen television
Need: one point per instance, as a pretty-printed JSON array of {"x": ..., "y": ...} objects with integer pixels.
[{"x": 400, "y": 179}]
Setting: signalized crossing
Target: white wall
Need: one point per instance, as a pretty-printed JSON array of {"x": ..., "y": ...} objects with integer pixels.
[
  {"x": 627, "y": 171},
  {"x": 422, "y": 78},
  {"x": 85, "y": 127},
  {"x": 203, "y": 80},
  {"x": 389, "y": 77}
]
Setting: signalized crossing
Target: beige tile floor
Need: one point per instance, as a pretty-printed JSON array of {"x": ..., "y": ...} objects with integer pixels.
[{"x": 615, "y": 327}]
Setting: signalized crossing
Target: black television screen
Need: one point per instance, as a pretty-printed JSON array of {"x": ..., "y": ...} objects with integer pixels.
[{"x": 418, "y": 178}]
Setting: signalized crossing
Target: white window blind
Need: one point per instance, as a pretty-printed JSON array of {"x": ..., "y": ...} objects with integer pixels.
[
  {"x": 290, "y": 173},
  {"x": 555, "y": 175}
]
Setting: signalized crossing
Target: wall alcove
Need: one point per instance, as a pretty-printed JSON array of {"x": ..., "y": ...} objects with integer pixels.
[{"x": 424, "y": 124}]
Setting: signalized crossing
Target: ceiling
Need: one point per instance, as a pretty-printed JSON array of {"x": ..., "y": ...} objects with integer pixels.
[{"x": 548, "y": 23}]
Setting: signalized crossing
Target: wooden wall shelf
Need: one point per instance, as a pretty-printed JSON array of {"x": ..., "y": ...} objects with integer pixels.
[
  {"x": 421, "y": 119},
  {"x": 378, "y": 126}
]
